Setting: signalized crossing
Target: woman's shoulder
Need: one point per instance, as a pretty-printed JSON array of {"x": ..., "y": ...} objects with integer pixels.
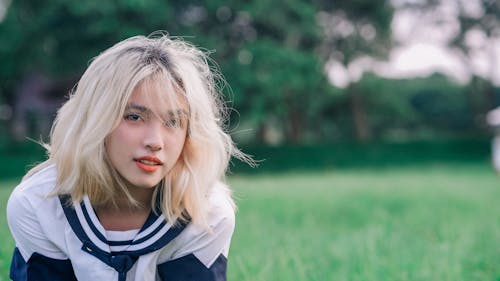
[
  {"x": 35, "y": 217},
  {"x": 34, "y": 190},
  {"x": 220, "y": 217},
  {"x": 211, "y": 242},
  {"x": 221, "y": 206}
]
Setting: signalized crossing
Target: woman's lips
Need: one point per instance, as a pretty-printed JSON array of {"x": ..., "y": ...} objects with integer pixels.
[{"x": 148, "y": 164}]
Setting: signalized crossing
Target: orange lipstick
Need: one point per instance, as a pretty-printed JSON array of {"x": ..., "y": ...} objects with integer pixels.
[{"x": 148, "y": 164}]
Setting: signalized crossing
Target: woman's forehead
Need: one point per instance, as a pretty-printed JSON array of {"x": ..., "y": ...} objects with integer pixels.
[{"x": 158, "y": 93}]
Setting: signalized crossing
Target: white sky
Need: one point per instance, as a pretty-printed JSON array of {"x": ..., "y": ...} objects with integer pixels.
[{"x": 421, "y": 50}]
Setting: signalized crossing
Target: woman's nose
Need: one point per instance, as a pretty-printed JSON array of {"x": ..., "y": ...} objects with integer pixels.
[
  {"x": 153, "y": 146},
  {"x": 153, "y": 139}
]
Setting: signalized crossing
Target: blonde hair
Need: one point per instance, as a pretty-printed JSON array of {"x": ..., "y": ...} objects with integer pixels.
[{"x": 96, "y": 107}]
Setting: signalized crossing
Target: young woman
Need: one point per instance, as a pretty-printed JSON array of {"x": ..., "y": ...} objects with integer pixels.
[{"x": 133, "y": 188}]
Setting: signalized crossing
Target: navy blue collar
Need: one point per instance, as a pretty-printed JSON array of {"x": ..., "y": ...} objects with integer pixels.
[{"x": 154, "y": 234}]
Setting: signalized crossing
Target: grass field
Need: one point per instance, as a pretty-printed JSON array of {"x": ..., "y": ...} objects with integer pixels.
[
  {"x": 6, "y": 243},
  {"x": 427, "y": 222}
]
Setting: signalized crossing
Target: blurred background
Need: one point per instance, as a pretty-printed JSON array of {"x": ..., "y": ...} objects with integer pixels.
[
  {"x": 300, "y": 73},
  {"x": 368, "y": 118}
]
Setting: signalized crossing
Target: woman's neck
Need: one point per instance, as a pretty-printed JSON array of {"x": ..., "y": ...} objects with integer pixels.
[
  {"x": 143, "y": 196},
  {"x": 122, "y": 214}
]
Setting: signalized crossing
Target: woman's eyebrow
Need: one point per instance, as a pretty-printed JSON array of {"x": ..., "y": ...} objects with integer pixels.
[
  {"x": 144, "y": 109},
  {"x": 181, "y": 112},
  {"x": 138, "y": 107}
]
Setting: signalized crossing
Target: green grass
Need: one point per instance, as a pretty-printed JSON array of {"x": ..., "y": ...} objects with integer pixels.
[
  {"x": 420, "y": 223},
  {"x": 423, "y": 222},
  {"x": 6, "y": 243}
]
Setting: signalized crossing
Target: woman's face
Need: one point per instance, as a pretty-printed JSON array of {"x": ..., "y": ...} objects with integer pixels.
[{"x": 150, "y": 137}]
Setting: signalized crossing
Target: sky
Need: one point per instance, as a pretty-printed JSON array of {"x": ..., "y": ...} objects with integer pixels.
[{"x": 421, "y": 49}]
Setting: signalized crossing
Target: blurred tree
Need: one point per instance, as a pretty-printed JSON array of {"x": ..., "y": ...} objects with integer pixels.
[
  {"x": 269, "y": 60},
  {"x": 275, "y": 72},
  {"x": 430, "y": 107},
  {"x": 477, "y": 34},
  {"x": 55, "y": 40},
  {"x": 273, "y": 54},
  {"x": 480, "y": 32},
  {"x": 60, "y": 37},
  {"x": 352, "y": 30}
]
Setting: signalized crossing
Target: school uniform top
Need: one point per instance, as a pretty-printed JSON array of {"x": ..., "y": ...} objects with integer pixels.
[{"x": 55, "y": 241}]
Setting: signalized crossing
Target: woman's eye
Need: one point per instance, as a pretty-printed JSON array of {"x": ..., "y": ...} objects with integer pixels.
[
  {"x": 173, "y": 123},
  {"x": 133, "y": 117}
]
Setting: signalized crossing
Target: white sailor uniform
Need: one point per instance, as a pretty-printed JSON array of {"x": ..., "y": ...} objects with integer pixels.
[{"x": 55, "y": 241}]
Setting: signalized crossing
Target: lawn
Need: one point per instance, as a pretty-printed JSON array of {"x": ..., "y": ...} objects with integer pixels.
[
  {"x": 423, "y": 223},
  {"x": 6, "y": 243},
  {"x": 426, "y": 222}
]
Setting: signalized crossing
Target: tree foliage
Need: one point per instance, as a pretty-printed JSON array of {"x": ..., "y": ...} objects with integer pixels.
[
  {"x": 269, "y": 60},
  {"x": 477, "y": 35},
  {"x": 272, "y": 53},
  {"x": 355, "y": 29}
]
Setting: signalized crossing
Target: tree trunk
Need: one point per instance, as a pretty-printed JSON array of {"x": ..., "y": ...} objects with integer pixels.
[
  {"x": 295, "y": 125},
  {"x": 360, "y": 122},
  {"x": 261, "y": 133},
  {"x": 295, "y": 115}
]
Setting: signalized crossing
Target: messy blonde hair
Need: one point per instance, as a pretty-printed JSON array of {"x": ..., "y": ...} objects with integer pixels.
[{"x": 96, "y": 107}]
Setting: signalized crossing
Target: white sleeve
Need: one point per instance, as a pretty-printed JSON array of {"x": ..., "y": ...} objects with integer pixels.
[
  {"x": 25, "y": 226},
  {"x": 207, "y": 246},
  {"x": 201, "y": 255}
]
